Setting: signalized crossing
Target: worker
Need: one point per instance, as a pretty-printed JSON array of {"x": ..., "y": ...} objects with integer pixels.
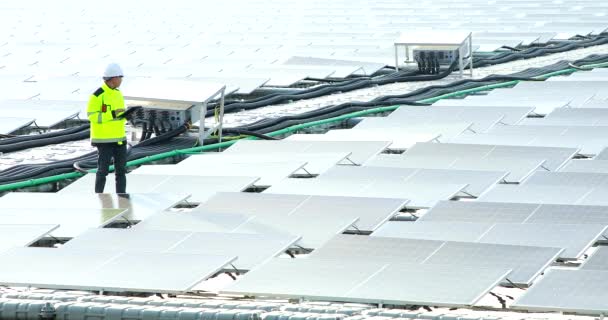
[{"x": 104, "y": 111}]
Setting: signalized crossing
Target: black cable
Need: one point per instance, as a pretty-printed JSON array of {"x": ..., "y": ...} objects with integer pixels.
[
  {"x": 19, "y": 143},
  {"x": 511, "y": 48},
  {"x": 410, "y": 98},
  {"x": 248, "y": 133},
  {"x": 425, "y": 64}
]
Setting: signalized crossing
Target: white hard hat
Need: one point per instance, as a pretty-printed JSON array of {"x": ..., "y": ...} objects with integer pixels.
[{"x": 113, "y": 70}]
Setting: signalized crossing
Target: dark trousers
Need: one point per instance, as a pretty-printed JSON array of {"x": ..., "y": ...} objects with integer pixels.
[{"x": 107, "y": 152}]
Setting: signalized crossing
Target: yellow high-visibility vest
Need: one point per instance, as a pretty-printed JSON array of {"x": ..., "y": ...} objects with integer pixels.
[{"x": 106, "y": 127}]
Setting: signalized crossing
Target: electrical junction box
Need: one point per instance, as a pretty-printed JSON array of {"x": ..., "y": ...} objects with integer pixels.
[
  {"x": 167, "y": 115},
  {"x": 442, "y": 55}
]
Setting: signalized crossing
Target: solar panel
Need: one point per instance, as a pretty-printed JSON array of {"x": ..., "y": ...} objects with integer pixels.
[
  {"x": 106, "y": 270},
  {"x": 535, "y": 194},
  {"x": 598, "y": 260},
  {"x": 304, "y": 278},
  {"x": 200, "y": 187},
  {"x": 313, "y": 235},
  {"x": 315, "y": 162},
  {"x": 12, "y": 124},
  {"x": 477, "y": 181},
  {"x": 603, "y": 155},
  {"x": 595, "y": 197},
  {"x": 419, "y": 195},
  {"x": 361, "y": 151},
  {"x": 450, "y": 286},
  {"x": 22, "y": 235},
  {"x": 447, "y": 130},
  {"x": 568, "y": 179},
  {"x": 134, "y": 240},
  {"x": 71, "y": 221},
  {"x": 555, "y": 156},
  {"x": 580, "y": 291},
  {"x": 564, "y": 121},
  {"x": 443, "y": 231},
  {"x": 573, "y": 214},
  {"x": 475, "y": 211},
  {"x": 400, "y": 139},
  {"x": 372, "y": 212},
  {"x": 482, "y": 118},
  {"x": 377, "y": 249},
  {"x": 542, "y": 104},
  {"x": 572, "y": 114},
  {"x": 253, "y": 203},
  {"x": 525, "y": 262},
  {"x": 163, "y": 90},
  {"x": 595, "y": 166},
  {"x": 559, "y": 130},
  {"x": 367, "y": 282},
  {"x": 488, "y": 115},
  {"x": 517, "y": 169},
  {"x": 250, "y": 249},
  {"x": 588, "y": 146},
  {"x": 368, "y": 68},
  {"x": 173, "y": 221},
  {"x": 240, "y": 84},
  {"x": 140, "y": 206},
  {"x": 574, "y": 238},
  {"x": 47, "y": 113},
  {"x": 268, "y": 172}
]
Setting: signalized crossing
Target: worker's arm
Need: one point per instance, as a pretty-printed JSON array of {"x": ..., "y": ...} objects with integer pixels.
[
  {"x": 119, "y": 109},
  {"x": 94, "y": 109}
]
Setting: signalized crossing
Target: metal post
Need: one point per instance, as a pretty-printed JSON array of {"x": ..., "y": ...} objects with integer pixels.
[
  {"x": 471, "y": 53},
  {"x": 396, "y": 58},
  {"x": 460, "y": 59},
  {"x": 407, "y": 53},
  {"x": 219, "y": 132},
  {"x": 201, "y": 128}
]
